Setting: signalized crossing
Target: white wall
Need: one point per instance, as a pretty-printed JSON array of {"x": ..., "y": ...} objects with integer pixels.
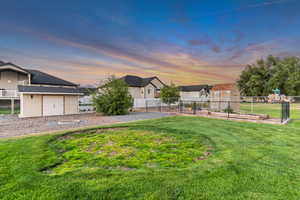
[
  {"x": 136, "y": 92},
  {"x": 71, "y": 105},
  {"x": 9, "y": 80},
  {"x": 194, "y": 96},
  {"x": 187, "y": 95},
  {"x": 149, "y": 91},
  {"x": 157, "y": 83},
  {"x": 149, "y": 102},
  {"x": 31, "y": 105}
]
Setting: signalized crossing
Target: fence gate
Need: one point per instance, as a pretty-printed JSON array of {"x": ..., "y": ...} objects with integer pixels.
[{"x": 285, "y": 111}]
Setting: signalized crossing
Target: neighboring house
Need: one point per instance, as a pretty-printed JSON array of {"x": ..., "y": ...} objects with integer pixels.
[
  {"x": 86, "y": 100},
  {"x": 40, "y": 94},
  {"x": 194, "y": 92},
  {"x": 223, "y": 96},
  {"x": 143, "y": 88}
]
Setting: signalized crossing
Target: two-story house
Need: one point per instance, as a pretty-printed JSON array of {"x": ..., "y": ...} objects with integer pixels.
[
  {"x": 39, "y": 93},
  {"x": 143, "y": 88}
]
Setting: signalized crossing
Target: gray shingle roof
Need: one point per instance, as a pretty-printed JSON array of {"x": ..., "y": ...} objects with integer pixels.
[
  {"x": 16, "y": 66},
  {"x": 136, "y": 81},
  {"x": 47, "y": 90},
  {"x": 194, "y": 88},
  {"x": 87, "y": 91},
  {"x": 38, "y": 77}
]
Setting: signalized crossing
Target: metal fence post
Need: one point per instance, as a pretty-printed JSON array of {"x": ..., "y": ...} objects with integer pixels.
[
  {"x": 252, "y": 105},
  {"x": 146, "y": 105},
  {"x": 289, "y": 110},
  {"x": 180, "y": 106},
  {"x": 282, "y": 112},
  {"x": 160, "y": 106},
  {"x": 228, "y": 109},
  {"x": 285, "y": 111}
]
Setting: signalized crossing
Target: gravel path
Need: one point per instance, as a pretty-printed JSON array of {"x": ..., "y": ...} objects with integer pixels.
[{"x": 11, "y": 125}]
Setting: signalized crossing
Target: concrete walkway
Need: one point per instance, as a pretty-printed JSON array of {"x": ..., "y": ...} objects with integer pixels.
[{"x": 11, "y": 125}]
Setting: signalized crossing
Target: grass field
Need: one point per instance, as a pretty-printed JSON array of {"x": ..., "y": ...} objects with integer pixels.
[
  {"x": 273, "y": 110},
  {"x": 169, "y": 158},
  {"x": 6, "y": 111}
]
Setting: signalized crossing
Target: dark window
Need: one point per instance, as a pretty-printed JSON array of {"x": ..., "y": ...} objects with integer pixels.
[{"x": 149, "y": 91}]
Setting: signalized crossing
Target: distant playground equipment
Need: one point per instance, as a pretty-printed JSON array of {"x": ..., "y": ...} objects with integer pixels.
[{"x": 276, "y": 97}]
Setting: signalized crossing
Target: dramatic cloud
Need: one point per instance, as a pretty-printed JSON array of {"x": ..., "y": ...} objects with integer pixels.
[
  {"x": 178, "y": 41},
  {"x": 207, "y": 41}
]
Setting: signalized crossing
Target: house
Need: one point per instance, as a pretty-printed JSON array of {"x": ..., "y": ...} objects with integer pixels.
[
  {"x": 143, "y": 88},
  {"x": 194, "y": 92},
  {"x": 86, "y": 100},
  {"x": 39, "y": 94},
  {"x": 224, "y": 96}
]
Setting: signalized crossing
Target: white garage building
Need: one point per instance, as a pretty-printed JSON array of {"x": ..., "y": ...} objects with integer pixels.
[
  {"x": 40, "y": 94},
  {"x": 48, "y": 101}
]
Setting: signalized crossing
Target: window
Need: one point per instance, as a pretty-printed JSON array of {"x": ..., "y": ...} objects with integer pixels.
[{"x": 149, "y": 91}]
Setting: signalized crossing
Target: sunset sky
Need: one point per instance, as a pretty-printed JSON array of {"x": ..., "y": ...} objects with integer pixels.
[{"x": 183, "y": 41}]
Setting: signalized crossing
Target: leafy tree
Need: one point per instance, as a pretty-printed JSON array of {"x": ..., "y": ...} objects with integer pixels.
[
  {"x": 169, "y": 94},
  {"x": 113, "y": 97},
  {"x": 261, "y": 78}
]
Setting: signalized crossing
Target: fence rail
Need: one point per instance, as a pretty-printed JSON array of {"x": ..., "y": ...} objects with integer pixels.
[
  {"x": 9, "y": 93},
  {"x": 230, "y": 109}
]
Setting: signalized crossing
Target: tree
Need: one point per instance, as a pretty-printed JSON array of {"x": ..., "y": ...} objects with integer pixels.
[
  {"x": 261, "y": 78},
  {"x": 113, "y": 97},
  {"x": 169, "y": 94}
]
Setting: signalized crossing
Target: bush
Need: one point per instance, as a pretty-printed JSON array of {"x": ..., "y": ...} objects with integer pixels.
[
  {"x": 169, "y": 94},
  {"x": 228, "y": 110},
  {"x": 113, "y": 97}
]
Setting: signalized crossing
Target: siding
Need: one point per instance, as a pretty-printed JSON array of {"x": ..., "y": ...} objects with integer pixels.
[
  {"x": 9, "y": 79},
  {"x": 136, "y": 92},
  {"x": 31, "y": 105},
  {"x": 150, "y": 91},
  {"x": 157, "y": 83},
  {"x": 71, "y": 104}
]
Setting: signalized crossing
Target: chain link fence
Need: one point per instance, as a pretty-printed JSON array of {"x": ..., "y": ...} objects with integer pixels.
[{"x": 250, "y": 108}]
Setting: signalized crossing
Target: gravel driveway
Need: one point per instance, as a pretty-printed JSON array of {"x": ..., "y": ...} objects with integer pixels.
[{"x": 11, "y": 125}]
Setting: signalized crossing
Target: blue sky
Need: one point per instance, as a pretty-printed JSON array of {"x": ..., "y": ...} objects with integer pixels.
[{"x": 186, "y": 42}]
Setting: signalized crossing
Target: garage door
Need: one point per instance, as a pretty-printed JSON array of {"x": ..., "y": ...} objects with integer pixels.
[{"x": 53, "y": 105}]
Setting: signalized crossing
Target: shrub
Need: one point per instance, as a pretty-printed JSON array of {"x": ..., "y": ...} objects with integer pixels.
[
  {"x": 113, "y": 97},
  {"x": 228, "y": 110},
  {"x": 169, "y": 94}
]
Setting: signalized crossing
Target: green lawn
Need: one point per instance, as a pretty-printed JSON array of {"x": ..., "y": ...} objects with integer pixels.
[
  {"x": 169, "y": 158},
  {"x": 273, "y": 110},
  {"x": 8, "y": 111}
]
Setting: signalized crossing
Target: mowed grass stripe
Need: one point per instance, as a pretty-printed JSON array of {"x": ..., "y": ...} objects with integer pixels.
[{"x": 248, "y": 161}]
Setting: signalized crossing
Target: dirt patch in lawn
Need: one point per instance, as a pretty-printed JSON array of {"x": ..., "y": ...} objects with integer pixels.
[{"x": 126, "y": 150}]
